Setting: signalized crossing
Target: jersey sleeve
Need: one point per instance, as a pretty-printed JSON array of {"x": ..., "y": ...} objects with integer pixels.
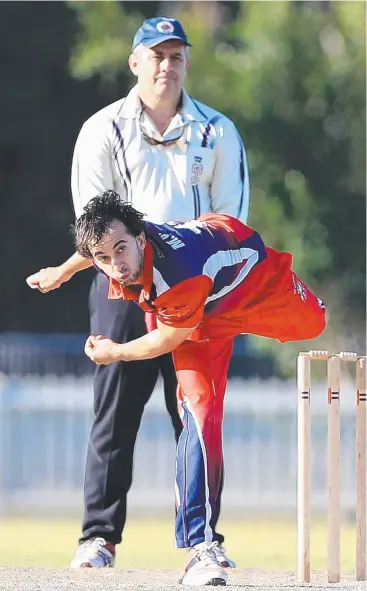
[
  {"x": 230, "y": 187},
  {"x": 91, "y": 171},
  {"x": 182, "y": 306}
]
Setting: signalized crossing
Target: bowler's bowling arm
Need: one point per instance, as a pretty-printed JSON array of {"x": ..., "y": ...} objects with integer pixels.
[{"x": 163, "y": 339}]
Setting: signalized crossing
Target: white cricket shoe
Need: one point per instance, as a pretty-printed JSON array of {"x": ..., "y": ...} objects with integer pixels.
[
  {"x": 203, "y": 567},
  {"x": 96, "y": 552},
  {"x": 222, "y": 557}
]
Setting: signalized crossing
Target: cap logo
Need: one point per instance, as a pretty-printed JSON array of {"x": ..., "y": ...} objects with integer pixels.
[{"x": 165, "y": 27}]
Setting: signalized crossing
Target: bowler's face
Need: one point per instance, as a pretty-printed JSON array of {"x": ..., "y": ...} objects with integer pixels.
[
  {"x": 161, "y": 69},
  {"x": 119, "y": 254}
]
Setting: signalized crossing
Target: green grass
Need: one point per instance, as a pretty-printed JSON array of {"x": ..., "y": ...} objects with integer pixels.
[{"x": 271, "y": 545}]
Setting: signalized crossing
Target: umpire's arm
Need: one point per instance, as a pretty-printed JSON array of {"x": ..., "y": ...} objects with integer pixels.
[
  {"x": 230, "y": 188},
  {"x": 91, "y": 171}
]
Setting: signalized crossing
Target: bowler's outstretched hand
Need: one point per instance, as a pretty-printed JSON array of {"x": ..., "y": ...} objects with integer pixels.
[{"x": 47, "y": 279}]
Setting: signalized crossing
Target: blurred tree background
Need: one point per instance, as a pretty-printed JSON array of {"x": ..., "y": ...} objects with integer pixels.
[{"x": 292, "y": 75}]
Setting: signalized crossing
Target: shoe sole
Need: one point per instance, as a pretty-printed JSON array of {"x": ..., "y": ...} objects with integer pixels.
[
  {"x": 88, "y": 565},
  {"x": 216, "y": 582}
]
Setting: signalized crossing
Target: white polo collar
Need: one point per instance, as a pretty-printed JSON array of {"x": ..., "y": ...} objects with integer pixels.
[{"x": 132, "y": 107}]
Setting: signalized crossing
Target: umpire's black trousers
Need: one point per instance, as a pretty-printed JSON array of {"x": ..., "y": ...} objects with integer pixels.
[{"x": 121, "y": 391}]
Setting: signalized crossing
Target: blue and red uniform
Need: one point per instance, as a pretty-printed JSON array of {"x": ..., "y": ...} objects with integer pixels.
[{"x": 216, "y": 275}]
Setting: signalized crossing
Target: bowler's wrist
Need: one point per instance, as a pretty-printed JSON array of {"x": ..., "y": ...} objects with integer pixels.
[
  {"x": 66, "y": 272},
  {"x": 119, "y": 352}
]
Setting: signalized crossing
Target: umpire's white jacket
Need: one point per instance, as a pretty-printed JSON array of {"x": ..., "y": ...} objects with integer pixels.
[{"x": 198, "y": 166}]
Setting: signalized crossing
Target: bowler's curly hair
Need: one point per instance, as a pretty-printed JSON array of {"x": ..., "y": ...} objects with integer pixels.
[{"x": 97, "y": 217}]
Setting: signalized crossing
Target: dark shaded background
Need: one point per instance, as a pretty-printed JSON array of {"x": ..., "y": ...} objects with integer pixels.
[{"x": 41, "y": 111}]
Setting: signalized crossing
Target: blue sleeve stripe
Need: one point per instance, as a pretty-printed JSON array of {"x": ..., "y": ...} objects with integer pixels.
[
  {"x": 126, "y": 177},
  {"x": 120, "y": 171},
  {"x": 243, "y": 172}
]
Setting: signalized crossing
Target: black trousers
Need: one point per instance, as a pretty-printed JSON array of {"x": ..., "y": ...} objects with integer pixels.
[{"x": 121, "y": 391}]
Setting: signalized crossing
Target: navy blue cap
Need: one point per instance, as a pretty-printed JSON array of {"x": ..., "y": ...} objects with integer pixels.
[{"x": 157, "y": 30}]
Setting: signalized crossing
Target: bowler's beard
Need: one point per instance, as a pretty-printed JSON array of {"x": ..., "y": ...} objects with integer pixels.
[{"x": 132, "y": 280}]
